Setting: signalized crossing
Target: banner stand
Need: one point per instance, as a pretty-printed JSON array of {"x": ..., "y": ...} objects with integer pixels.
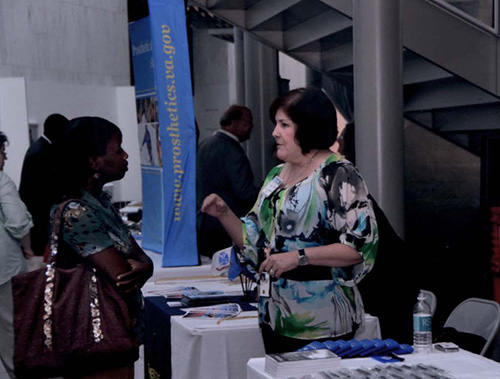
[{"x": 166, "y": 131}]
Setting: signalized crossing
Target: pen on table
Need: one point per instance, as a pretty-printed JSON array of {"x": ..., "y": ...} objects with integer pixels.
[{"x": 396, "y": 357}]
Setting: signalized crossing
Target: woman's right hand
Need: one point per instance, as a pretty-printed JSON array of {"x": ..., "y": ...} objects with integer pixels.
[
  {"x": 134, "y": 279},
  {"x": 213, "y": 205}
]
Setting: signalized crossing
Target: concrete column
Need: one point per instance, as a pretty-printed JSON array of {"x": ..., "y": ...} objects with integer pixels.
[
  {"x": 378, "y": 100},
  {"x": 313, "y": 78},
  {"x": 261, "y": 87},
  {"x": 239, "y": 63},
  {"x": 269, "y": 90},
  {"x": 252, "y": 101}
]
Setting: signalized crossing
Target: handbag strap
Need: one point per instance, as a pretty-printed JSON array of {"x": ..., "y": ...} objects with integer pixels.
[
  {"x": 56, "y": 229},
  {"x": 50, "y": 275}
]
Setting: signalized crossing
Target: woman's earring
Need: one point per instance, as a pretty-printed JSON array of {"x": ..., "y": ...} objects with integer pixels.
[{"x": 97, "y": 176}]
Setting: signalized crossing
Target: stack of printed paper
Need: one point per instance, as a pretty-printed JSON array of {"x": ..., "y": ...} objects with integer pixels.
[{"x": 283, "y": 365}]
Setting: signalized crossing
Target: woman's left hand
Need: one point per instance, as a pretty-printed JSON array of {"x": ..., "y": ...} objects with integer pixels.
[
  {"x": 135, "y": 278},
  {"x": 277, "y": 264}
]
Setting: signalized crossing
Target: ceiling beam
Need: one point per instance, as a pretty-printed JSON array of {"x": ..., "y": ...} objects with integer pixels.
[
  {"x": 314, "y": 29},
  {"x": 225, "y": 4},
  {"x": 417, "y": 70},
  {"x": 432, "y": 96},
  {"x": 343, "y": 6},
  {"x": 467, "y": 119},
  {"x": 338, "y": 58},
  {"x": 262, "y": 11},
  {"x": 272, "y": 38}
]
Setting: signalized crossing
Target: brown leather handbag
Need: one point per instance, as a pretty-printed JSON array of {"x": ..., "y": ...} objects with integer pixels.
[{"x": 69, "y": 321}]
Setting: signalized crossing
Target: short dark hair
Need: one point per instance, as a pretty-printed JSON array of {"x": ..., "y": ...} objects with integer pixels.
[
  {"x": 233, "y": 113},
  {"x": 85, "y": 137},
  {"x": 3, "y": 139},
  {"x": 54, "y": 126},
  {"x": 313, "y": 113}
]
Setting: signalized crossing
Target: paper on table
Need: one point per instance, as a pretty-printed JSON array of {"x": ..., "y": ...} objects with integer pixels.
[
  {"x": 216, "y": 311},
  {"x": 174, "y": 293}
]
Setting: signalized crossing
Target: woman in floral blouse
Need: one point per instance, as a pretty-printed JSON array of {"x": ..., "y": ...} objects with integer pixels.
[{"x": 312, "y": 229}]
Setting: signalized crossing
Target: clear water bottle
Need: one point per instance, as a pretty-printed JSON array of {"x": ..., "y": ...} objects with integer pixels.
[{"x": 422, "y": 326}]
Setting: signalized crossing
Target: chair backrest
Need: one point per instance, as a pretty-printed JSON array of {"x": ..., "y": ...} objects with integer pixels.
[
  {"x": 476, "y": 316},
  {"x": 431, "y": 300}
]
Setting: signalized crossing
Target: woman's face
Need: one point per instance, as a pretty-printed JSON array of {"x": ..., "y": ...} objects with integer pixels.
[
  {"x": 287, "y": 147},
  {"x": 113, "y": 165},
  {"x": 3, "y": 157}
]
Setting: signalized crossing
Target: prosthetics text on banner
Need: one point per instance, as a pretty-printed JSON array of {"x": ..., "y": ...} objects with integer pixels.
[{"x": 176, "y": 129}]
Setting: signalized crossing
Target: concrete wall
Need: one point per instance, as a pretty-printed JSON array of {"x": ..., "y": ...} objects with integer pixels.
[
  {"x": 444, "y": 237},
  {"x": 22, "y": 102},
  {"x": 71, "y": 41},
  {"x": 211, "y": 75},
  {"x": 116, "y": 104},
  {"x": 442, "y": 184},
  {"x": 69, "y": 57},
  {"x": 215, "y": 81}
]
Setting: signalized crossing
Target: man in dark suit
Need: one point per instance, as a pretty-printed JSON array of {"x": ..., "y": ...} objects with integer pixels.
[
  {"x": 37, "y": 179},
  {"x": 223, "y": 168}
]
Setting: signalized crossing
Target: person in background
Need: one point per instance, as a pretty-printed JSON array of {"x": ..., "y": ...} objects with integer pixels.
[
  {"x": 223, "y": 168},
  {"x": 37, "y": 179},
  {"x": 311, "y": 235},
  {"x": 15, "y": 225},
  {"x": 92, "y": 228}
]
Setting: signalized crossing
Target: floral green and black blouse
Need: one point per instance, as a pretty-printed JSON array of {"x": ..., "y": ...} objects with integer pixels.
[
  {"x": 91, "y": 225},
  {"x": 329, "y": 206}
]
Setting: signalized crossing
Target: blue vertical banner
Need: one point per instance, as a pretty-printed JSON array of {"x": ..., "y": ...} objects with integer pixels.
[
  {"x": 167, "y": 134},
  {"x": 151, "y": 175}
]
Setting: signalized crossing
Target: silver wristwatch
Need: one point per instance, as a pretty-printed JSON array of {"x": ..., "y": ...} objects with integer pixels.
[{"x": 303, "y": 260}]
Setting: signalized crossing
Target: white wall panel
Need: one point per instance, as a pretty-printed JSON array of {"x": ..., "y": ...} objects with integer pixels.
[
  {"x": 116, "y": 104},
  {"x": 14, "y": 123},
  {"x": 130, "y": 187}
]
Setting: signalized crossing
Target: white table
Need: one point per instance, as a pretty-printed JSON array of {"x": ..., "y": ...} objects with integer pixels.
[
  {"x": 461, "y": 365},
  {"x": 202, "y": 348}
]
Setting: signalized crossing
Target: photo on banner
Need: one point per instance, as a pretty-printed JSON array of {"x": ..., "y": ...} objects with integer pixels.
[{"x": 149, "y": 137}]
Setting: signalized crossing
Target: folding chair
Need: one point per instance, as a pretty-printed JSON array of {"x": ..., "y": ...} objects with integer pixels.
[{"x": 476, "y": 316}]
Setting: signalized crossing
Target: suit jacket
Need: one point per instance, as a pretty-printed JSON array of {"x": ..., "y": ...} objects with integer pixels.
[
  {"x": 222, "y": 168},
  {"x": 37, "y": 190}
]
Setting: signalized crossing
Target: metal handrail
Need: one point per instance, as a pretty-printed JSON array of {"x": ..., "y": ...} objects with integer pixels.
[{"x": 477, "y": 22}]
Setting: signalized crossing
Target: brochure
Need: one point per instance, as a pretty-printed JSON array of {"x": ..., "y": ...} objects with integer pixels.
[
  {"x": 216, "y": 311},
  {"x": 175, "y": 293},
  {"x": 205, "y": 298}
]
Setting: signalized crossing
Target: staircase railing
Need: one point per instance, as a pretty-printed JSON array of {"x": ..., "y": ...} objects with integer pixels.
[{"x": 483, "y": 13}]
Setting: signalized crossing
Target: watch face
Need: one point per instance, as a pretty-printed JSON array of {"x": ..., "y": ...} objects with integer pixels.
[{"x": 303, "y": 260}]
